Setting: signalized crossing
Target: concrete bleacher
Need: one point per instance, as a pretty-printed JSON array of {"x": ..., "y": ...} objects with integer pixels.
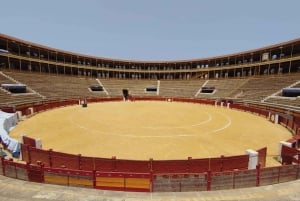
[
  {"x": 60, "y": 87},
  {"x": 18, "y": 99},
  {"x": 297, "y": 85},
  {"x": 223, "y": 88},
  {"x": 284, "y": 101},
  {"x": 258, "y": 89},
  {"x": 57, "y": 87},
  {"x": 114, "y": 87},
  {"x": 8, "y": 98},
  {"x": 180, "y": 88},
  {"x": 5, "y": 80}
]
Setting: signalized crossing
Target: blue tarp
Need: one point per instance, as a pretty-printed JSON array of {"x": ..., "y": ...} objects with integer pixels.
[{"x": 291, "y": 92}]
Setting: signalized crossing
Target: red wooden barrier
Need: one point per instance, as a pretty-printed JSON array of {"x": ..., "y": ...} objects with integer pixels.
[
  {"x": 87, "y": 163},
  {"x": 55, "y": 159},
  {"x": 29, "y": 141},
  {"x": 146, "y": 182},
  {"x": 170, "y": 166},
  {"x": 37, "y": 156},
  {"x": 132, "y": 166},
  {"x": 25, "y": 153},
  {"x": 283, "y": 121},
  {"x": 262, "y": 156},
  {"x": 105, "y": 164},
  {"x": 289, "y": 155},
  {"x": 14, "y": 170},
  {"x": 199, "y": 165},
  {"x": 235, "y": 162},
  {"x": 8, "y": 109},
  {"x": 63, "y": 160},
  {"x": 35, "y": 173}
]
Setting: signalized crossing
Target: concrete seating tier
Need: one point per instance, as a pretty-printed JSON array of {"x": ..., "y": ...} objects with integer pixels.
[
  {"x": 58, "y": 87},
  {"x": 180, "y": 88},
  {"x": 114, "y": 87}
]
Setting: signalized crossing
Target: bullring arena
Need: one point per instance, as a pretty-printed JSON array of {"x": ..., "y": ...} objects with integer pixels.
[
  {"x": 158, "y": 130},
  {"x": 180, "y": 130}
]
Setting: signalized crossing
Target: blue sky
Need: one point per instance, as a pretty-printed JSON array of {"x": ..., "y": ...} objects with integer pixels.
[{"x": 152, "y": 29}]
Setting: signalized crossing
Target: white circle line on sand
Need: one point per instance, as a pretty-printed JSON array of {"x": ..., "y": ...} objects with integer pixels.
[
  {"x": 176, "y": 127},
  {"x": 224, "y": 127},
  {"x": 229, "y": 122}
]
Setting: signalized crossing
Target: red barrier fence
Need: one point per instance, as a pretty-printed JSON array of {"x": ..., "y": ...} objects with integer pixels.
[
  {"x": 53, "y": 159},
  {"x": 262, "y": 156},
  {"x": 146, "y": 182},
  {"x": 8, "y": 109},
  {"x": 35, "y": 173},
  {"x": 47, "y": 105},
  {"x": 69, "y": 177},
  {"x": 296, "y": 126},
  {"x": 290, "y": 155},
  {"x": 224, "y": 180},
  {"x": 29, "y": 141},
  {"x": 251, "y": 109},
  {"x": 192, "y": 100},
  {"x": 138, "y": 182},
  {"x": 14, "y": 170}
]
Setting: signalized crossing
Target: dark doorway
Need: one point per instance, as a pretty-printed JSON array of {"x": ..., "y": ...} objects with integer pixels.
[{"x": 125, "y": 94}]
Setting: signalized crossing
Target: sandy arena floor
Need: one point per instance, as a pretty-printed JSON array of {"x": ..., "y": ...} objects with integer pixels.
[{"x": 158, "y": 130}]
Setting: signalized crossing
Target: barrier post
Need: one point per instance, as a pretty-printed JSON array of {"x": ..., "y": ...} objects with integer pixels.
[
  {"x": 68, "y": 178},
  {"x": 124, "y": 182},
  {"x": 151, "y": 164},
  {"x": 15, "y": 166},
  {"x": 94, "y": 163},
  {"x": 279, "y": 174},
  {"x": 208, "y": 180},
  {"x": 151, "y": 182},
  {"x": 189, "y": 164},
  {"x": 258, "y": 175},
  {"x": 94, "y": 178},
  {"x": 180, "y": 186},
  {"x": 27, "y": 168},
  {"x": 42, "y": 173},
  {"x": 222, "y": 160},
  {"x": 79, "y": 161},
  {"x": 28, "y": 153},
  {"x": 50, "y": 157},
  {"x": 3, "y": 168},
  {"x": 114, "y": 163},
  {"x": 233, "y": 178}
]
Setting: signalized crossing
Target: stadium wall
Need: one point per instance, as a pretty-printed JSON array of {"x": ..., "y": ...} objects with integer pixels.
[{"x": 17, "y": 54}]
